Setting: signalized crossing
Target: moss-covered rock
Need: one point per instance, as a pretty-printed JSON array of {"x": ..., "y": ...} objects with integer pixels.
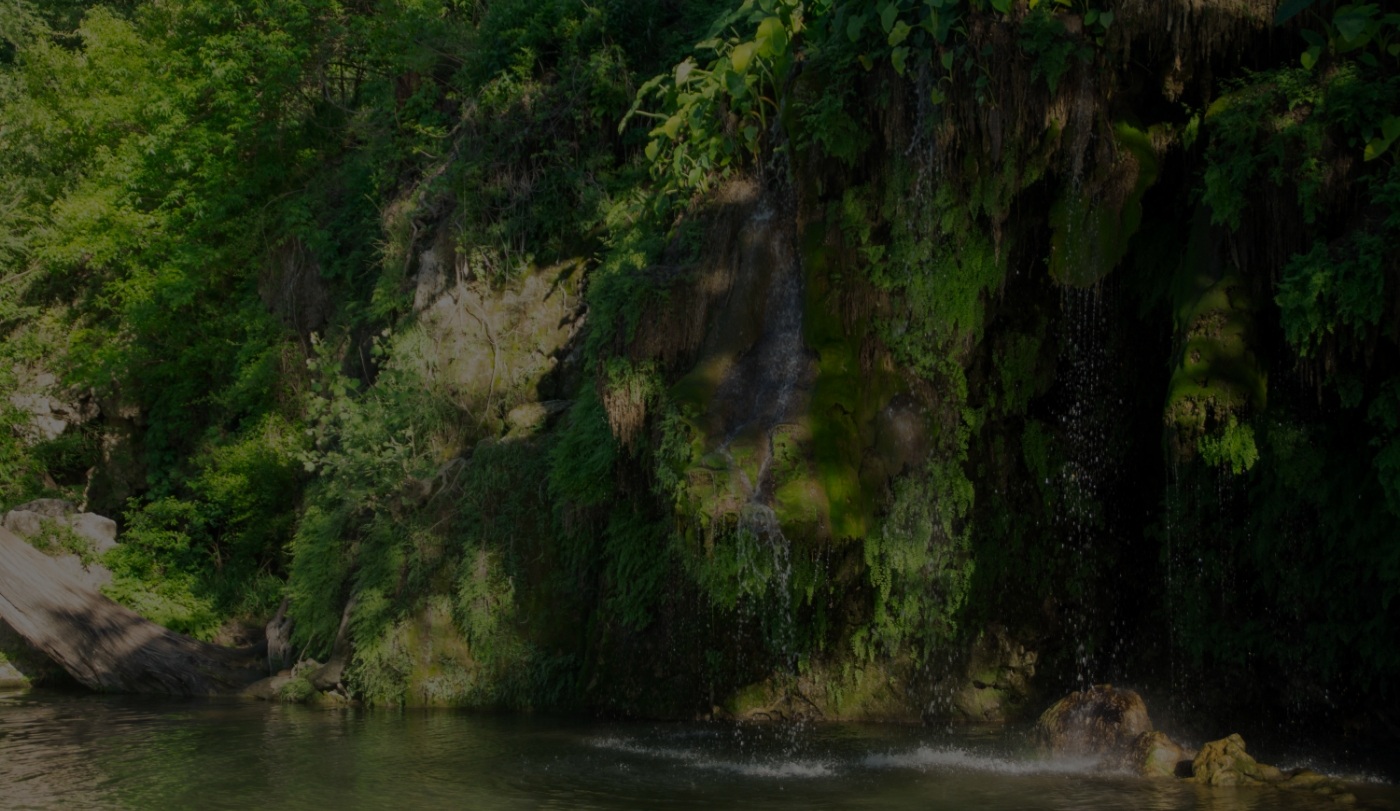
[{"x": 1226, "y": 763}]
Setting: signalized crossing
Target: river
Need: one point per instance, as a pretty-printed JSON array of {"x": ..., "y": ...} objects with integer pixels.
[{"x": 77, "y": 751}]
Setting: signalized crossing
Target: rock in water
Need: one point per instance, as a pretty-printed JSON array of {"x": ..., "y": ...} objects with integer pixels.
[
  {"x": 1098, "y": 721},
  {"x": 1155, "y": 755},
  {"x": 1225, "y": 763}
]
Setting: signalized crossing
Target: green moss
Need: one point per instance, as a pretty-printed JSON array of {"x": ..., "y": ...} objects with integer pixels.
[
  {"x": 1095, "y": 220},
  {"x": 297, "y": 691},
  {"x": 846, "y": 397},
  {"x": 1218, "y": 379}
]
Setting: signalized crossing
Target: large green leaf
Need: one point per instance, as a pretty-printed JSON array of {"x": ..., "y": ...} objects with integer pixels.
[
  {"x": 742, "y": 55},
  {"x": 772, "y": 38},
  {"x": 899, "y": 33}
]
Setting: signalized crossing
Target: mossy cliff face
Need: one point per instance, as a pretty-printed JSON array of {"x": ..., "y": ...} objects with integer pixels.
[{"x": 884, "y": 363}]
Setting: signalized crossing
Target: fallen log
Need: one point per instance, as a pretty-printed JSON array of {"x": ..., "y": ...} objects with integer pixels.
[{"x": 106, "y": 646}]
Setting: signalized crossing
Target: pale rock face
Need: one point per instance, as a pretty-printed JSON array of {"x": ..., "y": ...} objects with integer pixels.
[
  {"x": 49, "y": 413},
  {"x": 27, "y": 521},
  {"x": 32, "y": 519},
  {"x": 99, "y": 529}
]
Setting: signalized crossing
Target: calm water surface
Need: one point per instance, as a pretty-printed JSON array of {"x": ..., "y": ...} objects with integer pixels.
[{"x": 81, "y": 751}]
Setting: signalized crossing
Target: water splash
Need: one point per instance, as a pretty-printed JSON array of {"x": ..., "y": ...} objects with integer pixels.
[
  {"x": 927, "y": 758},
  {"x": 776, "y": 766}
]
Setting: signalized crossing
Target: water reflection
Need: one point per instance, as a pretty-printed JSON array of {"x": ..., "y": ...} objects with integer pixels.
[{"x": 104, "y": 752}]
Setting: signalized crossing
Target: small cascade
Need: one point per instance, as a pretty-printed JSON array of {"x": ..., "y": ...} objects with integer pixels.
[
  {"x": 761, "y": 387},
  {"x": 1083, "y": 476},
  {"x": 760, "y": 394}
]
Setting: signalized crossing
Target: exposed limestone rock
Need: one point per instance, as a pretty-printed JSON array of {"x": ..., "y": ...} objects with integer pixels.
[
  {"x": 1099, "y": 721},
  {"x": 48, "y": 508},
  {"x": 329, "y": 676},
  {"x": 270, "y": 688},
  {"x": 27, "y": 520},
  {"x": 527, "y": 418},
  {"x": 55, "y": 526},
  {"x": 51, "y": 410},
  {"x": 494, "y": 346},
  {"x": 1154, "y": 754},
  {"x": 1225, "y": 763},
  {"x": 10, "y": 676}
]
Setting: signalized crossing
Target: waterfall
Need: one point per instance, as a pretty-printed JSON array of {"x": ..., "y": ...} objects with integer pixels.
[
  {"x": 762, "y": 392},
  {"x": 1082, "y": 477}
]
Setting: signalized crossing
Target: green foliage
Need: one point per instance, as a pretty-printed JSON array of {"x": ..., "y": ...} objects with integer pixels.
[
  {"x": 1337, "y": 292},
  {"x": 156, "y": 570},
  {"x": 56, "y": 538},
  {"x": 1052, "y": 50},
  {"x": 1312, "y": 575},
  {"x": 582, "y": 469},
  {"x": 696, "y": 144},
  {"x": 1233, "y": 448},
  {"x": 378, "y": 455},
  {"x": 637, "y": 549},
  {"x": 920, "y": 564}
]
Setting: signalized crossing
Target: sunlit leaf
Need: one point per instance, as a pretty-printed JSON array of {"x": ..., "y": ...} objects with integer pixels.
[
  {"x": 897, "y": 58},
  {"x": 742, "y": 55},
  {"x": 899, "y": 33},
  {"x": 772, "y": 38},
  {"x": 683, "y": 70}
]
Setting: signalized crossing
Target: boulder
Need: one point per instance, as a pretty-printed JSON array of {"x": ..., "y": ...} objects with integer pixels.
[
  {"x": 10, "y": 676},
  {"x": 1102, "y": 720},
  {"x": 27, "y": 521},
  {"x": 99, "y": 529},
  {"x": 1154, "y": 754},
  {"x": 47, "y": 523},
  {"x": 270, "y": 688},
  {"x": 48, "y": 507},
  {"x": 1226, "y": 763}
]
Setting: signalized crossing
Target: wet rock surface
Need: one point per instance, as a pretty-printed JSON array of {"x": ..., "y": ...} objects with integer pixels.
[
  {"x": 1154, "y": 754},
  {"x": 1114, "y": 725},
  {"x": 1226, "y": 763},
  {"x": 1102, "y": 720}
]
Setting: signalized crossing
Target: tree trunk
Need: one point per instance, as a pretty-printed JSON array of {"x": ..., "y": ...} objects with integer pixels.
[{"x": 103, "y": 645}]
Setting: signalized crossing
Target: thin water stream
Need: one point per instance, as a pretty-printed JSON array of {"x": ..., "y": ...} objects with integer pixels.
[{"x": 87, "y": 751}]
